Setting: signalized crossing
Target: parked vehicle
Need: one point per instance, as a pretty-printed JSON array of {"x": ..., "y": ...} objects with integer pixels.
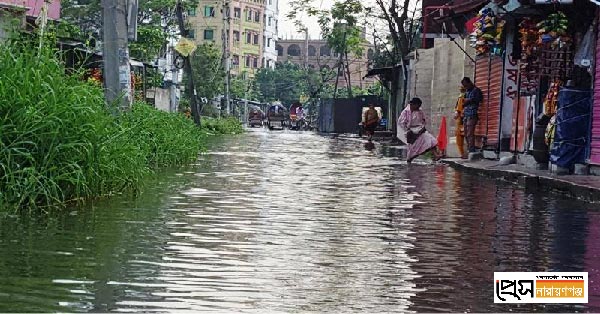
[
  {"x": 276, "y": 117},
  {"x": 255, "y": 117}
]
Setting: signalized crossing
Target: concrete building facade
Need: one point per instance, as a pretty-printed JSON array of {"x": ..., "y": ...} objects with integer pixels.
[
  {"x": 270, "y": 37},
  {"x": 318, "y": 55},
  {"x": 245, "y": 34}
]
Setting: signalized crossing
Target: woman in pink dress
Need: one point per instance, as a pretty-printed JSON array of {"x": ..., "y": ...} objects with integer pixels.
[{"x": 420, "y": 141}]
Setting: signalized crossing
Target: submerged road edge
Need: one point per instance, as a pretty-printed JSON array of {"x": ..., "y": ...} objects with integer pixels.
[{"x": 532, "y": 181}]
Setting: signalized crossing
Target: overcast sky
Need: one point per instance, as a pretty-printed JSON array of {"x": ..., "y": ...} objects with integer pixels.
[{"x": 287, "y": 29}]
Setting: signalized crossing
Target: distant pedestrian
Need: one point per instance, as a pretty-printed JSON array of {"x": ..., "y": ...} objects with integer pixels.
[
  {"x": 472, "y": 101},
  {"x": 371, "y": 118},
  {"x": 460, "y": 127},
  {"x": 419, "y": 140}
]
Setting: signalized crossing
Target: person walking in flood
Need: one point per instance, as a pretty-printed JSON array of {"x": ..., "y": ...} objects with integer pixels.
[
  {"x": 371, "y": 118},
  {"x": 419, "y": 140},
  {"x": 472, "y": 101},
  {"x": 460, "y": 128}
]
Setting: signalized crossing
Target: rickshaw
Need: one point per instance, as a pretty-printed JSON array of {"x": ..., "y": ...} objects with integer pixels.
[
  {"x": 297, "y": 121},
  {"x": 276, "y": 117},
  {"x": 255, "y": 116}
]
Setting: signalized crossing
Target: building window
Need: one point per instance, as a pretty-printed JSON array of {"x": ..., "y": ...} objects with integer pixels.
[
  {"x": 247, "y": 61},
  {"x": 269, "y": 42},
  {"x": 191, "y": 33},
  {"x": 255, "y": 65},
  {"x": 236, "y": 36},
  {"x": 249, "y": 16},
  {"x": 236, "y": 60},
  {"x": 257, "y": 17},
  {"x": 279, "y": 49},
  {"x": 270, "y": 20},
  {"x": 209, "y": 34},
  {"x": 237, "y": 13},
  {"x": 209, "y": 11},
  {"x": 248, "y": 38},
  {"x": 294, "y": 50},
  {"x": 325, "y": 51},
  {"x": 270, "y": 2},
  {"x": 256, "y": 39},
  {"x": 191, "y": 12}
]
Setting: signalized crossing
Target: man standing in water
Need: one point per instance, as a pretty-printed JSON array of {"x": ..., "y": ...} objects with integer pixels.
[
  {"x": 371, "y": 119},
  {"x": 473, "y": 98}
]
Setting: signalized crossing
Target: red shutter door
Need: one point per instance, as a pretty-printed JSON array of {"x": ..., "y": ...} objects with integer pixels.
[
  {"x": 521, "y": 122},
  {"x": 490, "y": 83},
  {"x": 595, "y": 141}
]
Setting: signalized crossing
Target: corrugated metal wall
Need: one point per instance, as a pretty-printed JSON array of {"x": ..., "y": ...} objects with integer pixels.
[
  {"x": 595, "y": 141},
  {"x": 490, "y": 83}
]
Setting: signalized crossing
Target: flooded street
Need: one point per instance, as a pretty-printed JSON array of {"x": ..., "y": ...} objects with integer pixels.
[{"x": 294, "y": 222}]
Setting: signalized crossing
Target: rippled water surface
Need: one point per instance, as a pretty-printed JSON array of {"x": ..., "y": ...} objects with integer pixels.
[{"x": 292, "y": 222}]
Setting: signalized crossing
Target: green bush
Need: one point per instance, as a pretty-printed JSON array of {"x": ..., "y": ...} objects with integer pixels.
[
  {"x": 59, "y": 143},
  {"x": 228, "y": 125}
]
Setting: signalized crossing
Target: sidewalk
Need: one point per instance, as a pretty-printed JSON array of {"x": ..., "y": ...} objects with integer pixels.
[
  {"x": 581, "y": 187},
  {"x": 586, "y": 188}
]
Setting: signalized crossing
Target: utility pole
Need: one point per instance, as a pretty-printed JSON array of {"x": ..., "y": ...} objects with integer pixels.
[
  {"x": 117, "y": 73},
  {"x": 187, "y": 68},
  {"x": 306, "y": 47},
  {"x": 227, "y": 53}
]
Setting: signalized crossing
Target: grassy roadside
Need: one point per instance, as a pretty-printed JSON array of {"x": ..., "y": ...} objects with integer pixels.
[{"x": 59, "y": 143}]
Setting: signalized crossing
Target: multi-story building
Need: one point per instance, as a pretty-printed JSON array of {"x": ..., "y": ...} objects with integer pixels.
[
  {"x": 270, "y": 37},
  {"x": 318, "y": 55},
  {"x": 245, "y": 33}
]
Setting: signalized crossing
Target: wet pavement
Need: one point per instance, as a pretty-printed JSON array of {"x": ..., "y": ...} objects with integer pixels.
[{"x": 289, "y": 221}]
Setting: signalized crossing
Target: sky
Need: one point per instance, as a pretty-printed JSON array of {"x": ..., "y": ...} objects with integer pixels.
[{"x": 287, "y": 29}]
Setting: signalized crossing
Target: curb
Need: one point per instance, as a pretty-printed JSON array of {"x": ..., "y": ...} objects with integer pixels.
[{"x": 533, "y": 182}]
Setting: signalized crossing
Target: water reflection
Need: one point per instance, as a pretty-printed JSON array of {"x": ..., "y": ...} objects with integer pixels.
[{"x": 288, "y": 221}]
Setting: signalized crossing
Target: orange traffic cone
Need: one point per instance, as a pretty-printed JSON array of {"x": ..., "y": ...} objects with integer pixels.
[{"x": 442, "y": 138}]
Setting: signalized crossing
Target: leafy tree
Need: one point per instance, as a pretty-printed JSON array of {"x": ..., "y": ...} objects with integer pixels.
[
  {"x": 288, "y": 82},
  {"x": 395, "y": 43},
  {"x": 209, "y": 75},
  {"x": 340, "y": 26},
  {"x": 156, "y": 20}
]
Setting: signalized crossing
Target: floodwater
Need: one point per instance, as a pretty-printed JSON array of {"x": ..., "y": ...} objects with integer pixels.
[{"x": 295, "y": 222}]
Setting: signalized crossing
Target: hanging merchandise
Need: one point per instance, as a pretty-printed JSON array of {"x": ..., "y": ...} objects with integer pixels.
[
  {"x": 487, "y": 36},
  {"x": 529, "y": 37},
  {"x": 551, "y": 100},
  {"x": 553, "y": 30}
]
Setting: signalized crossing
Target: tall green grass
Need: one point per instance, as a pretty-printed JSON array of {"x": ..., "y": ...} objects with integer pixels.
[
  {"x": 59, "y": 143},
  {"x": 227, "y": 125}
]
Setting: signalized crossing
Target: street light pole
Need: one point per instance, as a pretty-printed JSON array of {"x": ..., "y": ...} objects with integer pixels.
[{"x": 227, "y": 56}]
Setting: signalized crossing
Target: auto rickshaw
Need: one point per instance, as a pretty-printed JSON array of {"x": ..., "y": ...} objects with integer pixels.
[
  {"x": 276, "y": 116},
  {"x": 255, "y": 116},
  {"x": 297, "y": 121}
]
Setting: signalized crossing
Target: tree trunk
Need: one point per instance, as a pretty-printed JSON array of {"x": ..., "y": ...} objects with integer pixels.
[
  {"x": 348, "y": 81},
  {"x": 187, "y": 68}
]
